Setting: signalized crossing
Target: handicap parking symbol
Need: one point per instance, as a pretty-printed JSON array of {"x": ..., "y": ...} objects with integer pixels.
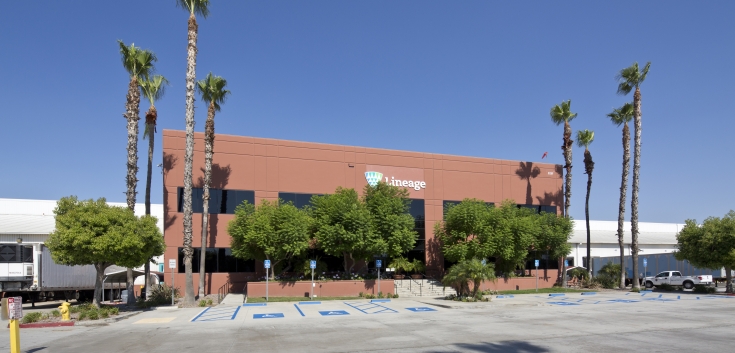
[
  {"x": 622, "y": 301},
  {"x": 563, "y": 303},
  {"x": 333, "y": 312},
  {"x": 268, "y": 316},
  {"x": 420, "y": 309}
]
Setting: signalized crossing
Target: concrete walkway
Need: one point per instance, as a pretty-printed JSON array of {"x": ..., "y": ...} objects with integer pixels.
[{"x": 233, "y": 299}]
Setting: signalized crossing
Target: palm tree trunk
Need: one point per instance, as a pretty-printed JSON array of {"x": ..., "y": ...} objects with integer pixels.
[
  {"x": 621, "y": 206},
  {"x": 728, "y": 277},
  {"x": 636, "y": 176},
  {"x": 132, "y": 115},
  {"x": 150, "y": 118},
  {"x": 189, "y": 157},
  {"x": 208, "y": 154},
  {"x": 567, "y": 148},
  {"x": 589, "y": 166}
]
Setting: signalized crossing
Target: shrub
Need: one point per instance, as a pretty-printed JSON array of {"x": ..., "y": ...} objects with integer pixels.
[
  {"x": 104, "y": 314},
  {"x": 93, "y": 314},
  {"x": 113, "y": 310},
  {"x": 609, "y": 276},
  {"x": 160, "y": 294},
  {"x": 380, "y": 295},
  {"x": 82, "y": 315},
  {"x": 361, "y": 294},
  {"x": 205, "y": 302},
  {"x": 579, "y": 273},
  {"x": 31, "y": 317},
  {"x": 701, "y": 288},
  {"x": 636, "y": 290},
  {"x": 465, "y": 272},
  {"x": 395, "y": 295},
  {"x": 55, "y": 313}
]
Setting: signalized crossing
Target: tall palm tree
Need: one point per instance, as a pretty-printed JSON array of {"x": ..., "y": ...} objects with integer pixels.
[
  {"x": 562, "y": 113},
  {"x": 584, "y": 139},
  {"x": 622, "y": 116},
  {"x": 193, "y": 7},
  {"x": 213, "y": 92},
  {"x": 153, "y": 89},
  {"x": 629, "y": 78},
  {"x": 139, "y": 65}
]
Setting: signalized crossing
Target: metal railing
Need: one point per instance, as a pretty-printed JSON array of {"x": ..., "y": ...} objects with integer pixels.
[{"x": 223, "y": 291}]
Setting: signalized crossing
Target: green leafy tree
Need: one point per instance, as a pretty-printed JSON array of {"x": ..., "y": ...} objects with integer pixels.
[
  {"x": 94, "y": 233},
  {"x": 473, "y": 271},
  {"x": 193, "y": 7},
  {"x": 343, "y": 227},
  {"x": 709, "y": 245},
  {"x": 213, "y": 92},
  {"x": 553, "y": 235},
  {"x": 631, "y": 78},
  {"x": 584, "y": 139},
  {"x": 389, "y": 206},
  {"x": 139, "y": 65},
  {"x": 622, "y": 116},
  {"x": 474, "y": 230},
  {"x": 272, "y": 231},
  {"x": 153, "y": 88}
]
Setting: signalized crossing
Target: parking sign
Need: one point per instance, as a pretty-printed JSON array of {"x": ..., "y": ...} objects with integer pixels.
[
  {"x": 312, "y": 264},
  {"x": 267, "y": 263},
  {"x": 15, "y": 308},
  {"x": 536, "y": 263},
  {"x": 645, "y": 262},
  {"x": 172, "y": 263},
  {"x": 378, "y": 263}
]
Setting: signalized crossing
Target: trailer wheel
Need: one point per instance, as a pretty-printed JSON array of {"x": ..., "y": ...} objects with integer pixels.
[
  {"x": 649, "y": 284},
  {"x": 688, "y": 285}
]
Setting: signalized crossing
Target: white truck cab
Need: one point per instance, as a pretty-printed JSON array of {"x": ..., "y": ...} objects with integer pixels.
[{"x": 674, "y": 278}]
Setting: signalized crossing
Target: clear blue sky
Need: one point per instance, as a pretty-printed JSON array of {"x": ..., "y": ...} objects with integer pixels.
[{"x": 473, "y": 78}]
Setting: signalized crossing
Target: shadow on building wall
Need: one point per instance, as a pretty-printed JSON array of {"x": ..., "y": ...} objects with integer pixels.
[
  {"x": 220, "y": 178},
  {"x": 527, "y": 171}
]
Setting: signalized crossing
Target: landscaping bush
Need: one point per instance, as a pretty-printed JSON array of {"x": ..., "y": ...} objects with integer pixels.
[
  {"x": 609, "y": 276},
  {"x": 395, "y": 295},
  {"x": 361, "y": 294},
  {"x": 82, "y": 315},
  {"x": 704, "y": 289},
  {"x": 160, "y": 294},
  {"x": 380, "y": 295},
  {"x": 55, "y": 313},
  {"x": 93, "y": 314},
  {"x": 104, "y": 314},
  {"x": 205, "y": 302},
  {"x": 31, "y": 317}
]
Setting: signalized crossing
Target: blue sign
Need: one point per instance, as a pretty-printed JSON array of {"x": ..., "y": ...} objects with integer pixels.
[
  {"x": 566, "y": 263},
  {"x": 536, "y": 263},
  {"x": 267, "y": 263},
  {"x": 333, "y": 313},
  {"x": 645, "y": 262},
  {"x": 420, "y": 309},
  {"x": 268, "y": 316},
  {"x": 312, "y": 264},
  {"x": 378, "y": 263}
]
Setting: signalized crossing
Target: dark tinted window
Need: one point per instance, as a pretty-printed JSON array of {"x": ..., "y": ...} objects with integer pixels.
[
  {"x": 298, "y": 200},
  {"x": 447, "y": 204},
  {"x": 540, "y": 208},
  {"x": 220, "y": 201},
  {"x": 217, "y": 260}
]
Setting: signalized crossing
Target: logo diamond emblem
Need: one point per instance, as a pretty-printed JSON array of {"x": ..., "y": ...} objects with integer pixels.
[{"x": 373, "y": 178}]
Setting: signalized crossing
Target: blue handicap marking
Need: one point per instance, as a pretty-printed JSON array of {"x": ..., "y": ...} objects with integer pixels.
[
  {"x": 370, "y": 308},
  {"x": 217, "y": 314},
  {"x": 254, "y": 304},
  {"x": 420, "y": 309},
  {"x": 268, "y": 316},
  {"x": 563, "y": 303},
  {"x": 504, "y": 296},
  {"x": 333, "y": 312},
  {"x": 622, "y": 301},
  {"x": 660, "y": 299}
]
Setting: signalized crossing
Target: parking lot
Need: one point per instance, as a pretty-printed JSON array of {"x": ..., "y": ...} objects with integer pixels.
[{"x": 599, "y": 322}]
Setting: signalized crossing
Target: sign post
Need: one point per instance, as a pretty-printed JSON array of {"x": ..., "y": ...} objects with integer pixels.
[
  {"x": 312, "y": 264},
  {"x": 267, "y": 265},
  {"x": 378, "y": 264},
  {"x": 15, "y": 311},
  {"x": 536, "y": 263},
  {"x": 172, "y": 266}
]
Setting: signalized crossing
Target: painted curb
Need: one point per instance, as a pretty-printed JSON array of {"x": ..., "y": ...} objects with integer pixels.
[{"x": 45, "y": 324}]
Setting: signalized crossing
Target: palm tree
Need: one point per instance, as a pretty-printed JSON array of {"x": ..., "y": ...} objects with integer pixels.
[
  {"x": 193, "y": 7},
  {"x": 153, "y": 89},
  {"x": 214, "y": 93},
  {"x": 139, "y": 65},
  {"x": 584, "y": 139},
  {"x": 562, "y": 114},
  {"x": 629, "y": 78},
  {"x": 619, "y": 117}
]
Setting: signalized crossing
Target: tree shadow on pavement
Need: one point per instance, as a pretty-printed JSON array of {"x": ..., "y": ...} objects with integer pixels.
[{"x": 493, "y": 347}]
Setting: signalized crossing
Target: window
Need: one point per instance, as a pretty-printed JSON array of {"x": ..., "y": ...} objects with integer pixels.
[
  {"x": 418, "y": 211},
  {"x": 675, "y": 274},
  {"x": 220, "y": 201},
  {"x": 540, "y": 208},
  {"x": 217, "y": 260},
  {"x": 298, "y": 200}
]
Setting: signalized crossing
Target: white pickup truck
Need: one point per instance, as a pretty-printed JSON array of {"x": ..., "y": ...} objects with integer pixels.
[{"x": 674, "y": 278}]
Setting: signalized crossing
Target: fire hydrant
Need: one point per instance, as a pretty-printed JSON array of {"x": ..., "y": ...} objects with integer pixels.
[{"x": 64, "y": 309}]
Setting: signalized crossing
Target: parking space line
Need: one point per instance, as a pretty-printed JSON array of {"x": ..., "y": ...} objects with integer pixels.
[
  {"x": 297, "y": 308},
  {"x": 200, "y": 314},
  {"x": 370, "y": 306},
  {"x": 216, "y": 314}
]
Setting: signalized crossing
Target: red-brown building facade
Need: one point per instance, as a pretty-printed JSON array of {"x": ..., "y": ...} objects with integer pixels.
[{"x": 253, "y": 169}]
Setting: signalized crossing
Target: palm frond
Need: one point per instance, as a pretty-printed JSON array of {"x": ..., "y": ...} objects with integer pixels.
[
  {"x": 136, "y": 61},
  {"x": 198, "y": 7},
  {"x": 212, "y": 89},
  {"x": 585, "y": 138},
  {"x": 644, "y": 73},
  {"x": 631, "y": 77},
  {"x": 154, "y": 88},
  {"x": 561, "y": 113},
  {"x": 622, "y": 115}
]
